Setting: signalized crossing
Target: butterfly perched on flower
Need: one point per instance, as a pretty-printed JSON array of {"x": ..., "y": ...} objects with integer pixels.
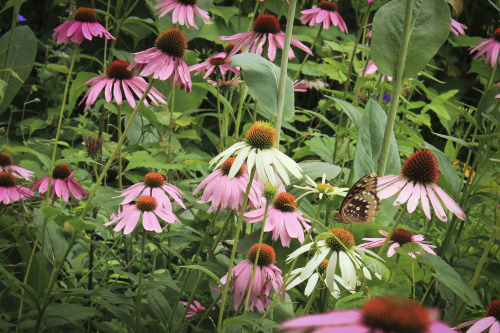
[{"x": 361, "y": 203}]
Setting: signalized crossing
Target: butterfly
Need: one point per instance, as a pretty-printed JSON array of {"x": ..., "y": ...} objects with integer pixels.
[{"x": 361, "y": 203}]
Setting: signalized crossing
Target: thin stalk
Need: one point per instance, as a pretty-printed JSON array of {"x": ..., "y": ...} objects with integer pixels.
[
  {"x": 309, "y": 303},
  {"x": 219, "y": 118},
  {"x": 25, "y": 281},
  {"x": 61, "y": 115},
  {"x": 119, "y": 127},
  {"x": 255, "y": 9},
  {"x": 243, "y": 95},
  {"x": 284, "y": 66},
  {"x": 492, "y": 77},
  {"x": 257, "y": 255},
  {"x": 114, "y": 153},
  {"x": 190, "y": 300},
  {"x": 394, "y": 269},
  {"x": 307, "y": 54},
  {"x": 383, "y": 248},
  {"x": 396, "y": 88},
  {"x": 428, "y": 290},
  {"x": 139, "y": 285},
  {"x": 233, "y": 252},
  {"x": 479, "y": 267}
]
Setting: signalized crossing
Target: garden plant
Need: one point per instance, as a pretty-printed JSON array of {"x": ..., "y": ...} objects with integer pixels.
[{"x": 250, "y": 166}]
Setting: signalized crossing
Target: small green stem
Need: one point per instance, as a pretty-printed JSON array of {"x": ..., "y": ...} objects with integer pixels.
[
  {"x": 394, "y": 269},
  {"x": 492, "y": 77},
  {"x": 309, "y": 303},
  {"x": 257, "y": 255},
  {"x": 428, "y": 290},
  {"x": 284, "y": 67},
  {"x": 219, "y": 118},
  {"x": 233, "y": 252},
  {"x": 307, "y": 54},
  {"x": 120, "y": 184},
  {"x": 243, "y": 95},
  {"x": 25, "y": 281},
  {"x": 383, "y": 248},
  {"x": 61, "y": 115},
  {"x": 115, "y": 152},
  {"x": 396, "y": 89},
  {"x": 138, "y": 301}
]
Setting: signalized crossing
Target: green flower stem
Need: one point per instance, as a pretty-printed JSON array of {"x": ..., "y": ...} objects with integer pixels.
[
  {"x": 257, "y": 255},
  {"x": 61, "y": 115},
  {"x": 139, "y": 285},
  {"x": 119, "y": 127},
  {"x": 492, "y": 77},
  {"x": 383, "y": 248},
  {"x": 428, "y": 290},
  {"x": 115, "y": 152},
  {"x": 25, "y": 281},
  {"x": 479, "y": 267},
  {"x": 413, "y": 277},
  {"x": 396, "y": 89},
  {"x": 254, "y": 14},
  {"x": 307, "y": 54},
  {"x": 219, "y": 118},
  {"x": 309, "y": 302},
  {"x": 195, "y": 257},
  {"x": 243, "y": 95},
  {"x": 233, "y": 252},
  {"x": 52, "y": 282},
  {"x": 320, "y": 208},
  {"x": 284, "y": 66},
  {"x": 394, "y": 269}
]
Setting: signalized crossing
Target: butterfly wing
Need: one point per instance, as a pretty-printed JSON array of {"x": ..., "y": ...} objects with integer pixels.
[{"x": 361, "y": 204}]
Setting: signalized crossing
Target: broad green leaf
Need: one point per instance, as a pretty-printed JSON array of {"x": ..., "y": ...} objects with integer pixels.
[
  {"x": 55, "y": 242},
  {"x": 317, "y": 169},
  {"x": 489, "y": 107},
  {"x": 249, "y": 318},
  {"x": 160, "y": 308},
  {"x": 375, "y": 266},
  {"x": 20, "y": 59},
  {"x": 59, "y": 314},
  {"x": 206, "y": 271},
  {"x": 323, "y": 146},
  {"x": 262, "y": 78},
  {"x": 349, "y": 109},
  {"x": 369, "y": 144},
  {"x": 430, "y": 28},
  {"x": 448, "y": 276}
]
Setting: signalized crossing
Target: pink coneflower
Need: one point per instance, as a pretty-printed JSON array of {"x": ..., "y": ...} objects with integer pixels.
[
  {"x": 267, "y": 276},
  {"x": 221, "y": 192},
  {"x": 164, "y": 60},
  {"x": 301, "y": 86},
  {"x": 83, "y": 25},
  {"x": 491, "y": 47},
  {"x": 219, "y": 60},
  {"x": 265, "y": 27},
  {"x": 386, "y": 314},
  {"x": 62, "y": 184},
  {"x": 326, "y": 13},
  {"x": 283, "y": 219},
  {"x": 491, "y": 320},
  {"x": 234, "y": 82},
  {"x": 183, "y": 12},
  {"x": 7, "y": 166},
  {"x": 119, "y": 78},
  {"x": 194, "y": 308},
  {"x": 9, "y": 191},
  {"x": 146, "y": 207},
  {"x": 417, "y": 182},
  {"x": 154, "y": 185},
  {"x": 399, "y": 238},
  {"x": 457, "y": 28}
]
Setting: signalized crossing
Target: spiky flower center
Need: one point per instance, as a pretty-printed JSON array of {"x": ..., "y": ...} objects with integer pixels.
[
  {"x": 401, "y": 236},
  {"x": 395, "y": 314},
  {"x": 154, "y": 179},
  {"x": 188, "y": 2},
  {"x": 229, "y": 47},
  {"x": 118, "y": 70},
  {"x": 5, "y": 159},
  {"x": 217, "y": 61},
  {"x": 172, "y": 42},
  {"x": 325, "y": 188},
  {"x": 345, "y": 237},
  {"x": 93, "y": 145},
  {"x": 7, "y": 179},
  {"x": 285, "y": 202},
  {"x": 328, "y": 5},
  {"x": 266, "y": 23},
  {"x": 83, "y": 14},
  {"x": 493, "y": 309},
  {"x": 496, "y": 34},
  {"x": 266, "y": 255},
  {"x": 421, "y": 167},
  {"x": 322, "y": 267},
  {"x": 146, "y": 203},
  {"x": 226, "y": 167},
  {"x": 61, "y": 171},
  {"x": 261, "y": 135}
]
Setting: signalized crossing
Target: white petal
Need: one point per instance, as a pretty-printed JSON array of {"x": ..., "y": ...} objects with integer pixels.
[
  {"x": 304, "y": 249},
  {"x": 347, "y": 269},
  {"x": 314, "y": 262},
  {"x": 311, "y": 284},
  {"x": 238, "y": 162},
  {"x": 330, "y": 272}
]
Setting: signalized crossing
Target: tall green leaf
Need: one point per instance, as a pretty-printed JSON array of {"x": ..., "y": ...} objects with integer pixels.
[
  {"x": 19, "y": 62},
  {"x": 430, "y": 28},
  {"x": 262, "y": 78}
]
